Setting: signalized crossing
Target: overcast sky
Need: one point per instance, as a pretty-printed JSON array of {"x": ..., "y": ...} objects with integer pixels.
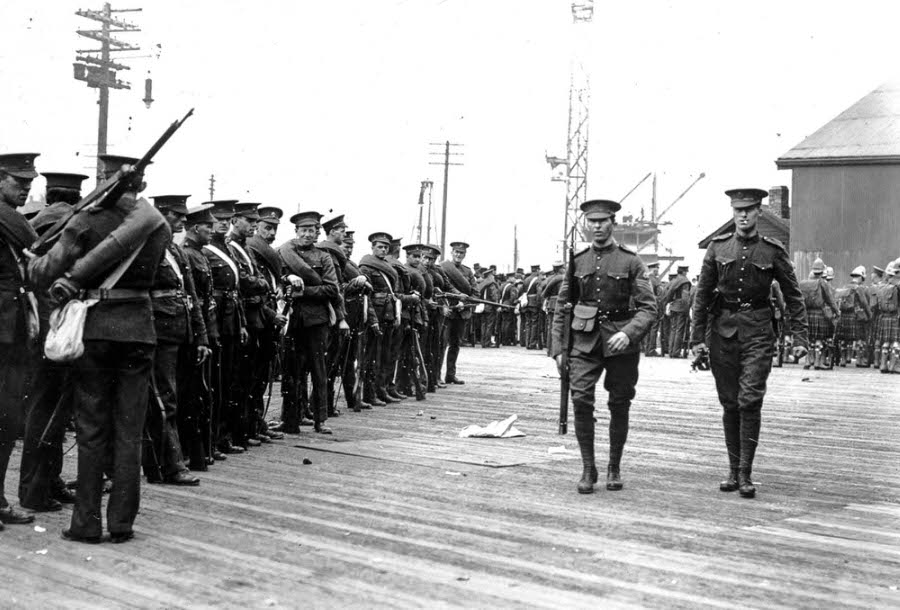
[{"x": 332, "y": 105}]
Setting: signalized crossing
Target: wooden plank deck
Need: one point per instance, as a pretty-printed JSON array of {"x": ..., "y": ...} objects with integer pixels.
[{"x": 397, "y": 511}]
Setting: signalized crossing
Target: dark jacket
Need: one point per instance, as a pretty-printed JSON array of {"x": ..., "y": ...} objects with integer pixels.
[
  {"x": 177, "y": 317},
  {"x": 201, "y": 276},
  {"x": 225, "y": 274},
  {"x": 463, "y": 280},
  {"x": 321, "y": 289},
  {"x": 733, "y": 290}
]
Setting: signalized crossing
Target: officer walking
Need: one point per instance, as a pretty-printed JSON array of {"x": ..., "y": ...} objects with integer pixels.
[
  {"x": 615, "y": 307},
  {"x": 733, "y": 303}
]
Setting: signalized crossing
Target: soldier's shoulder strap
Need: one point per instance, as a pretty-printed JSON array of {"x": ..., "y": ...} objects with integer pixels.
[
  {"x": 774, "y": 242},
  {"x": 582, "y": 252},
  {"x": 722, "y": 237}
]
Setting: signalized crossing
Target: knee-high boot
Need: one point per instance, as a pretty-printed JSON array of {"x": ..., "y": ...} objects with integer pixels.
[
  {"x": 750, "y": 425},
  {"x": 618, "y": 434},
  {"x": 731, "y": 422},
  {"x": 584, "y": 432}
]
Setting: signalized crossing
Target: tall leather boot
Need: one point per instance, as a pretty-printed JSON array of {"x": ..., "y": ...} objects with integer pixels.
[
  {"x": 750, "y": 425},
  {"x": 731, "y": 422},
  {"x": 618, "y": 434},
  {"x": 584, "y": 432}
]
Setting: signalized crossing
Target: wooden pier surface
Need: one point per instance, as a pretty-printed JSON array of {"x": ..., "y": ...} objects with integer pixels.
[{"x": 396, "y": 511}]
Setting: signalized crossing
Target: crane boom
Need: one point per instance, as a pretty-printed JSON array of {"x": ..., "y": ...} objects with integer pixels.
[{"x": 677, "y": 199}]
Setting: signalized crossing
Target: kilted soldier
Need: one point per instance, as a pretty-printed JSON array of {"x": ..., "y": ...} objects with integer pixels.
[
  {"x": 360, "y": 318},
  {"x": 488, "y": 290},
  {"x": 615, "y": 307},
  {"x": 41, "y": 487},
  {"x": 887, "y": 335},
  {"x": 232, "y": 329},
  {"x": 112, "y": 378},
  {"x": 874, "y": 351},
  {"x": 549, "y": 294},
  {"x": 181, "y": 346},
  {"x": 195, "y": 421},
  {"x": 463, "y": 280},
  {"x": 268, "y": 264},
  {"x": 314, "y": 294},
  {"x": 733, "y": 311},
  {"x": 384, "y": 281},
  {"x": 820, "y": 307},
  {"x": 18, "y": 313},
  {"x": 853, "y": 305}
]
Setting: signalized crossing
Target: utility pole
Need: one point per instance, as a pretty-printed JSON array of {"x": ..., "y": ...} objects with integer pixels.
[
  {"x": 428, "y": 229},
  {"x": 99, "y": 72},
  {"x": 446, "y": 163},
  {"x": 515, "y": 248},
  {"x": 212, "y": 187}
]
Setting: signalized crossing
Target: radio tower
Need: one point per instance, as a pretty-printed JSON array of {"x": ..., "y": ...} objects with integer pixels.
[{"x": 579, "y": 111}]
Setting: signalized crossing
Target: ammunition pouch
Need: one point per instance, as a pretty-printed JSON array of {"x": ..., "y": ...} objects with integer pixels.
[{"x": 584, "y": 318}]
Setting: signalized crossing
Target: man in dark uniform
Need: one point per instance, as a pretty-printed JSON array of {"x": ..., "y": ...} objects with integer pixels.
[
  {"x": 665, "y": 319},
  {"x": 549, "y": 294},
  {"x": 531, "y": 308},
  {"x": 509, "y": 295},
  {"x": 615, "y": 307},
  {"x": 195, "y": 422},
  {"x": 384, "y": 280},
  {"x": 652, "y": 336},
  {"x": 113, "y": 376},
  {"x": 360, "y": 317},
  {"x": 463, "y": 280},
  {"x": 678, "y": 302},
  {"x": 181, "y": 345},
  {"x": 268, "y": 264},
  {"x": 337, "y": 354},
  {"x": 41, "y": 487},
  {"x": 732, "y": 308},
  {"x": 232, "y": 329},
  {"x": 19, "y": 330},
  {"x": 819, "y": 308},
  {"x": 489, "y": 290},
  {"x": 410, "y": 366},
  {"x": 439, "y": 309},
  {"x": 404, "y": 293},
  {"x": 314, "y": 292}
]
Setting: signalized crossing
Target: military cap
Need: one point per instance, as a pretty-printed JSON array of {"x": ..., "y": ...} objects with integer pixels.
[
  {"x": 222, "y": 209},
  {"x": 20, "y": 165},
  {"x": 306, "y": 219},
  {"x": 535, "y": 267},
  {"x": 672, "y": 276},
  {"x": 200, "y": 214},
  {"x": 415, "y": 248},
  {"x": 476, "y": 266},
  {"x": 270, "y": 214},
  {"x": 746, "y": 198},
  {"x": 381, "y": 237},
  {"x": 598, "y": 209},
  {"x": 459, "y": 245},
  {"x": 492, "y": 267},
  {"x": 110, "y": 164},
  {"x": 488, "y": 270},
  {"x": 858, "y": 272},
  {"x": 520, "y": 270},
  {"x": 558, "y": 264},
  {"x": 877, "y": 270},
  {"x": 890, "y": 269},
  {"x": 334, "y": 223},
  {"x": 683, "y": 268},
  {"x": 395, "y": 242},
  {"x": 818, "y": 266},
  {"x": 654, "y": 264},
  {"x": 250, "y": 211},
  {"x": 348, "y": 237},
  {"x": 432, "y": 250},
  {"x": 59, "y": 180},
  {"x": 171, "y": 203}
]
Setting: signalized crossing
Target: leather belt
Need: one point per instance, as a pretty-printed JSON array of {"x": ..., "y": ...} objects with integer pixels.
[
  {"x": 616, "y": 315},
  {"x": 733, "y": 306},
  {"x": 115, "y": 294},
  {"x": 253, "y": 300},
  {"x": 168, "y": 292},
  {"x": 231, "y": 294}
]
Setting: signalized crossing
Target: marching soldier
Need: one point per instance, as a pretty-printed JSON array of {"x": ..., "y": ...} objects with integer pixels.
[
  {"x": 887, "y": 336},
  {"x": 463, "y": 280},
  {"x": 112, "y": 377},
  {"x": 733, "y": 302},
  {"x": 232, "y": 329},
  {"x": 268, "y": 265},
  {"x": 181, "y": 345},
  {"x": 615, "y": 307},
  {"x": 41, "y": 487},
  {"x": 314, "y": 293},
  {"x": 196, "y": 429},
  {"x": 820, "y": 307},
  {"x": 18, "y": 312}
]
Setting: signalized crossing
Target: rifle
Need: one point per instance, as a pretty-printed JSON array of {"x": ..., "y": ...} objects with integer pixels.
[
  {"x": 109, "y": 190},
  {"x": 471, "y": 300},
  {"x": 360, "y": 352},
  {"x": 572, "y": 298}
]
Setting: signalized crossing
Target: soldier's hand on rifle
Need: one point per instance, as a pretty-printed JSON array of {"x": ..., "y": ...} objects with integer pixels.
[
  {"x": 280, "y": 320},
  {"x": 698, "y": 349},
  {"x": 799, "y": 352},
  {"x": 296, "y": 284},
  {"x": 344, "y": 327},
  {"x": 358, "y": 282},
  {"x": 244, "y": 336},
  {"x": 415, "y": 298},
  {"x": 63, "y": 290},
  {"x": 618, "y": 342},
  {"x": 376, "y": 329},
  {"x": 203, "y": 353},
  {"x": 28, "y": 254}
]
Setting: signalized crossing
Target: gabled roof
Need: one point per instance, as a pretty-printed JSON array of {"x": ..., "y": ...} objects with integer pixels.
[
  {"x": 866, "y": 133},
  {"x": 769, "y": 224}
]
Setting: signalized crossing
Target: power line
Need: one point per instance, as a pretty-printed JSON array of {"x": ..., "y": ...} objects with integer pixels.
[{"x": 446, "y": 163}]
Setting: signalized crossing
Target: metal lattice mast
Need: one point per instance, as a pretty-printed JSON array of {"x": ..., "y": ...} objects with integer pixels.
[{"x": 579, "y": 113}]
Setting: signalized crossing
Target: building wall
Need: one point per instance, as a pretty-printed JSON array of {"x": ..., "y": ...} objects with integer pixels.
[{"x": 848, "y": 215}]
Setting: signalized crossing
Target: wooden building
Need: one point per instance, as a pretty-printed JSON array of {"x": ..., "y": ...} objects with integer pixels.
[{"x": 846, "y": 187}]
